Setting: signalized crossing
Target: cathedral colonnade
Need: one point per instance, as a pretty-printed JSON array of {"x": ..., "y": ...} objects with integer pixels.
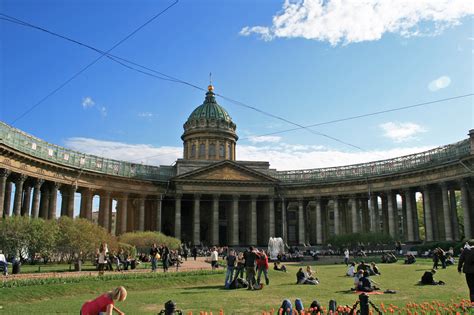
[{"x": 446, "y": 211}]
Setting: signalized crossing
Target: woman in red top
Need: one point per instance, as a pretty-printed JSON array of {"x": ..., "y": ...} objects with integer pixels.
[{"x": 105, "y": 303}]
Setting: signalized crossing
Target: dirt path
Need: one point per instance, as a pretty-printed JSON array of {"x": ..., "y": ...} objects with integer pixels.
[{"x": 188, "y": 265}]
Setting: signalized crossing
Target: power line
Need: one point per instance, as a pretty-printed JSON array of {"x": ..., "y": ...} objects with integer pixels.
[
  {"x": 367, "y": 115},
  {"x": 91, "y": 63},
  {"x": 166, "y": 77}
]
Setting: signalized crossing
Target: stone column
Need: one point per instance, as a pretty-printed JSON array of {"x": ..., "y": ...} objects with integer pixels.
[
  {"x": 337, "y": 223},
  {"x": 53, "y": 200},
  {"x": 70, "y": 201},
  {"x": 234, "y": 221},
  {"x": 44, "y": 202},
  {"x": 454, "y": 214},
  {"x": 177, "y": 216},
  {"x": 64, "y": 198},
  {"x": 284, "y": 224},
  {"x": 159, "y": 204},
  {"x": 271, "y": 217},
  {"x": 253, "y": 220},
  {"x": 123, "y": 213},
  {"x": 446, "y": 210},
  {"x": 301, "y": 227},
  {"x": 104, "y": 206},
  {"x": 391, "y": 214},
  {"x": 319, "y": 223},
  {"x": 215, "y": 219},
  {"x": 409, "y": 206},
  {"x": 354, "y": 216},
  {"x": 197, "y": 220},
  {"x": 416, "y": 225},
  {"x": 141, "y": 213},
  {"x": 8, "y": 199},
  {"x": 4, "y": 173},
  {"x": 428, "y": 219},
  {"x": 36, "y": 198},
  {"x": 25, "y": 208},
  {"x": 466, "y": 210},
  {"x": 87, "y": 197},
  {"x": 18, "y": 194},
  {"x": 374, "y": 210}
]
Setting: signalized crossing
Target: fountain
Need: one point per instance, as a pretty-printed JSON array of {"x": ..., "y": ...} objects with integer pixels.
[{"x": 275, "y": 247}]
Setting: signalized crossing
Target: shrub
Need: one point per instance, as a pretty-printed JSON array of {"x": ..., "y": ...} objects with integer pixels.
[
  {"x": 143, "y": 240},
  {"x": 354, "y": 240}
]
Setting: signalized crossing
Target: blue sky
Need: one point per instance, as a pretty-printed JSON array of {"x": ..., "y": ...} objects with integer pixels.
[{"x": 335, "y": 62}]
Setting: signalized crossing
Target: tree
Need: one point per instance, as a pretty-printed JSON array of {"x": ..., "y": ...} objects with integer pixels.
[
  {"x": 42, "y": 237},
  {"x": 143, "y": 240},
  {"x": 13, "y": 236}
]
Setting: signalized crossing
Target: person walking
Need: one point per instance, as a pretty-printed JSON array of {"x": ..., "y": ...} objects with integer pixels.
[
  {"x": 231, "y": 259},
  {"x": 194, "y": 252},
  {"x": 250, "y": 257},
  {"x": 165, "y": 257},
  {"x": 214, "y": 258},
  {"x": 466, "y": 265},
  {"x": 262, "y": 267},
  {"x": 154, "y": 256},
  {"x": 103, "y": 250},
  {"x": 346, "y": 257}
]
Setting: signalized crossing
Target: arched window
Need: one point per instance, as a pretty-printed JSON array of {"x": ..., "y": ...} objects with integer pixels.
[
  {"x": 221, "y": 151},
  {"x": 202, "y": 150},
  {"x": 193, "y": 150},
  {"x": 212, "y": 150}
]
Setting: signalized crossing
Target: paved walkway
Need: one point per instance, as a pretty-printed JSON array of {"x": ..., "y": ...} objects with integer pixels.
[{"x": 188, "y": 265}]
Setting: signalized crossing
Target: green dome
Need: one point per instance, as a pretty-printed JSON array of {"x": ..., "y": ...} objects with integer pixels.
[{"x": 210, "y": 110}]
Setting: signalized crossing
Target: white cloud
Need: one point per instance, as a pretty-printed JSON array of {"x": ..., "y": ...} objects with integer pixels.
[
  {"x": 352, "y": 21},
  {"x": 102, "y": 111},
  {"x": 401, "y": 132},
  {"x": 87, "y": 102},
  {"x": 260, "y": 139},
  {"x": 439, "y": 83},
  {"x": 282, "y": 156},
  {"x": 145, "y": 115},
  {"x": 304, "y": 157},
  {"x": 137, "y": 153}
]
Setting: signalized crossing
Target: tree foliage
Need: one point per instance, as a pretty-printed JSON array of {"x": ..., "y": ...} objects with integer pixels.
[
  {"x": 353, "y": 241},
  {"x": 143, "y": 240}
]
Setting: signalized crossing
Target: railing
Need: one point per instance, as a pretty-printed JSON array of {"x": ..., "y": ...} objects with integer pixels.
[
  {"x": 422, "y": 160},
  {"x": 36, "y": 147}
]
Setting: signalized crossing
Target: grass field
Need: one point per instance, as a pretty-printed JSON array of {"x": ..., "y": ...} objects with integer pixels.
[{"x": 195, "y": 291}]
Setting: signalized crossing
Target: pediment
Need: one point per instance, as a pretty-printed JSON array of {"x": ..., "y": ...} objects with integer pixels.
[{"x": 226, "y": 171}]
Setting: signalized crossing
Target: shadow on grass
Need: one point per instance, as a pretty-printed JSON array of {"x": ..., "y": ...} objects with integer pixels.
[{"x": 208, "y": 287}]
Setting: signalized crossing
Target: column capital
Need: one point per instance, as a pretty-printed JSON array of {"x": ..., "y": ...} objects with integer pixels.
[
  {"x": 178, "y": 195},
  {"x": 317, "y": 198},
  {"x": 216, "y": 196},
  {"x": 271, "y": 198},
  {"x": 21, "y": 179},
  {"x": 38, "y": 183},
  {"x": 4, "y": 172},
  {"x": 443, "y": 185},
  {"x": 56, "y": 185},
  {"x": 105, "y": 193},
  {"x": 197, "y": 196},
  {"x": 253, "y": 197},
  {"x": 235, "y": 197}
]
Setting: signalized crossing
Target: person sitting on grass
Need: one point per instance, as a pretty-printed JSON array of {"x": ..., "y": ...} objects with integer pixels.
[
  {"x": 351, "y": 270},
  {"x": 357, "y": 276},
  {"x": 104, "y": 304},
  {"x": 428, "y": 278},
  {"x": 374, "y": 270},
  {"x": 365, "y": 283},
  {"x": 279, "y": 267},
  {"x": 311, "y": 274},
  {"x": 410, "y": 259},
  {"x": 302, "y": 279}
]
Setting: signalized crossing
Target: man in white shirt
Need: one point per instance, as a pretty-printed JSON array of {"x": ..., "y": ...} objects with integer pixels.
[
  {"x": 3, "y": 264},
  {"x": 214, "y": 258},
  {"x": 346, "y": 257}
]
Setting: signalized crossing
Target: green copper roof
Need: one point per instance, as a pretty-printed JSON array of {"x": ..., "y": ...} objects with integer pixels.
[{"x": 210, "y": 109}]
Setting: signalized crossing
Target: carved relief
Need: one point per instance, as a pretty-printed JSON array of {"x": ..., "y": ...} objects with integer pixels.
[
  {"x": 227, "y": 173},
  {"x": 7, "y": 162}
]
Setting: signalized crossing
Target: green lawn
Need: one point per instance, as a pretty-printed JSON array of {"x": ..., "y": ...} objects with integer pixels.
[
  {"x": 88, "y": 266},
  {"x": 203, "y": 291}
]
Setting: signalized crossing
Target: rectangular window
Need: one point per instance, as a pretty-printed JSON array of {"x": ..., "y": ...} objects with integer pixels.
[
  {"x": 230, "y": 151},
  {"x": 212, "y": 150},
  {"x": 221, "y": 151},
  {"x": 202, "y": 150},
  {"x": 193, "y": 150}
]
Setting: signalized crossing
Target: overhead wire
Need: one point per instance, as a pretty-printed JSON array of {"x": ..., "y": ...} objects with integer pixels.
[
  {"x": 166, "y": 77},
  {"x": 102, "y": 54}
]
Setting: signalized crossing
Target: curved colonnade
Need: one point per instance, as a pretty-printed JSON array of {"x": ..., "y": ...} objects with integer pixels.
[{"x": 239, "y": 202}]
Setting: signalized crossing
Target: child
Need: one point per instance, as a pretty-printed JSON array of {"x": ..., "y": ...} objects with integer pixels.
[{"x": 105, "y": 303}]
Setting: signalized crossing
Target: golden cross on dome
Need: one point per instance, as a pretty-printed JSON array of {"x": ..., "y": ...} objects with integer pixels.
[{"x": 210, "y": 87}]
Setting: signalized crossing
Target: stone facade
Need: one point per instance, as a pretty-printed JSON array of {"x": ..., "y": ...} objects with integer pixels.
[{"x": 208, "y": 197}]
